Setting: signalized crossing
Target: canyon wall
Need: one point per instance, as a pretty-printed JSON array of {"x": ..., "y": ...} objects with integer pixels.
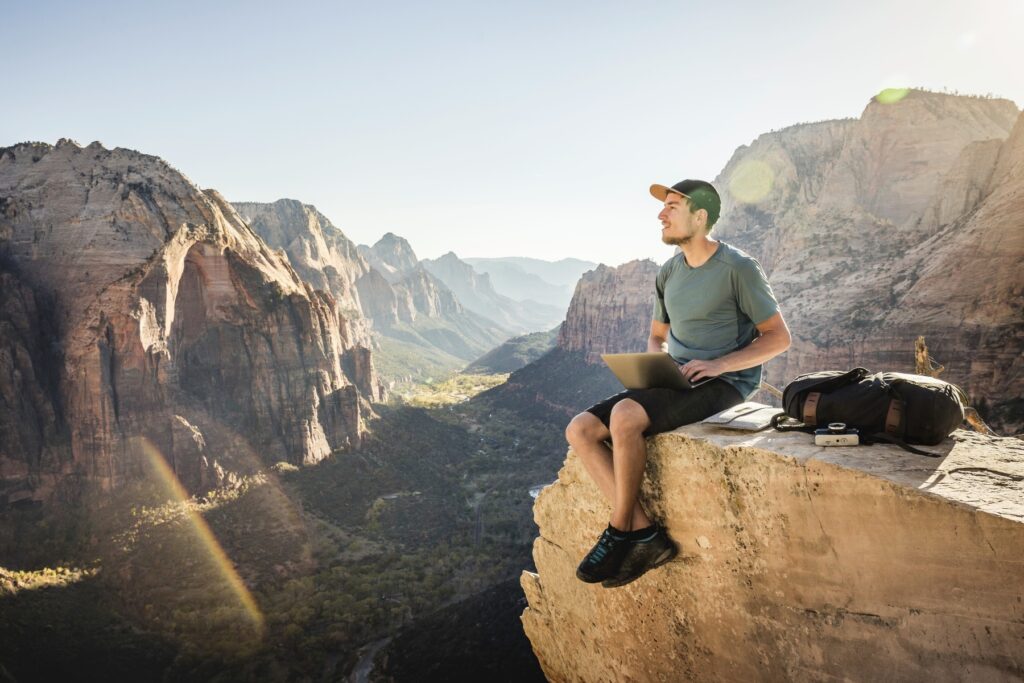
[{"x": 142, "y": 315}]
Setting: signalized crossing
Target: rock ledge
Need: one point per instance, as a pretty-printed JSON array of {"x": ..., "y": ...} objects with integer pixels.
[{"x": 797, "y": 563}]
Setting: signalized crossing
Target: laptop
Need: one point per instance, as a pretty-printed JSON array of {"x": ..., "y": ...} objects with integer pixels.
[{"x": 649, "y": 371}]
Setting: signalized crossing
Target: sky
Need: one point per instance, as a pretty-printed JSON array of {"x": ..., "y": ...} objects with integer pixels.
[{"x": 484, "y": 128}]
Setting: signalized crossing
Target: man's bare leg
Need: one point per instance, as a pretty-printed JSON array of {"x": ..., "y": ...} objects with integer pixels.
[
  {"x": 587, "y": 435},
  {"x": 629, "y": 457}
]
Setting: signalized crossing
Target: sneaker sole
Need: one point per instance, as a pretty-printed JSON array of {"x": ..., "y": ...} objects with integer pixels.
[
  {"x": 665, "y": 557},
  {"x": 586, "y": 578}
]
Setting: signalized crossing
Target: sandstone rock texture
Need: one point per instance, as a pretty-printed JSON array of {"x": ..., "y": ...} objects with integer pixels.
[
  {"x": 326, "y": 259},
  {"x": 904, "y": 222},
  {"x": 797, "y": 563},
  {"x": 141, "y": 314},
  {"x": 611, "y": 311}
]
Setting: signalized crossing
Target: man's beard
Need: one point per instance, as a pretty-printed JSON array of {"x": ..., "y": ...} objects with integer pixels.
[{"x": 676, "y": 241}]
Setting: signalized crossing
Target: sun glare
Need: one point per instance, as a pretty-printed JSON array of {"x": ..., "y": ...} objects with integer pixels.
[
  {"x": 751, "y": 181},
  {"x": 891, "y": 95},
  {"x": 168, "y": 482}
]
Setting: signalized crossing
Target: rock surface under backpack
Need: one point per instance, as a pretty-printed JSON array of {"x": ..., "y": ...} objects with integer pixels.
[{"x": 894, "y": 407}]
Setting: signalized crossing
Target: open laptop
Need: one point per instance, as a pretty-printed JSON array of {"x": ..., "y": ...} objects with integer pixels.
[{"x": 649, "y": 371}]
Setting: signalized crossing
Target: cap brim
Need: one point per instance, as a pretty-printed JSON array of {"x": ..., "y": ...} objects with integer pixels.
[{"x": 660, "y": 192}]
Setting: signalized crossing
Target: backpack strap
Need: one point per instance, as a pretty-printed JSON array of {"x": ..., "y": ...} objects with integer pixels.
[
  {"x": 811, "y": 408},
  {"x": 784, "y": 423},
  {"x": 868, "y": 439},
  {"x": 894, "y": 418}
]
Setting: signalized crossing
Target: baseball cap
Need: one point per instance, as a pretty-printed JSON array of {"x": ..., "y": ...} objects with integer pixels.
[{"x": 701, "y": 194}]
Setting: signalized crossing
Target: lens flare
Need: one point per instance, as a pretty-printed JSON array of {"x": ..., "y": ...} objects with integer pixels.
[
  {"x": 751, "y": 181},
  {"x": 168, "y": 481},
  {"x": 891, "y": 95}
]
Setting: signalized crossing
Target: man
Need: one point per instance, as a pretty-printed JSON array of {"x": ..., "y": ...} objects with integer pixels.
[{"x": 716, "y": 312}]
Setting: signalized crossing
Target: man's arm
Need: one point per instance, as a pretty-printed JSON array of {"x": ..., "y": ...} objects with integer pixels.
[
  {"x": 659, "y": 336},
  {"x": 774, "y": 339}
]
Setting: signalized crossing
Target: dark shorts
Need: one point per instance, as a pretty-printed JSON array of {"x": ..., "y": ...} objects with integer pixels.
[{"x": 671, "y": 408}]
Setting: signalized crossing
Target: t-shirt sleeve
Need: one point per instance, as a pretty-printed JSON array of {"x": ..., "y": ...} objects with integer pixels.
[
  {"x": 660, "y": 314},
  {"x": 753, "y": 293}
]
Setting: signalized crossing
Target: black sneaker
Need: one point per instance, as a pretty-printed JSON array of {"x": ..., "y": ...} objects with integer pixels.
[
  {"x": 642, "y": 555},
  {"x": 603, "y": 560}
]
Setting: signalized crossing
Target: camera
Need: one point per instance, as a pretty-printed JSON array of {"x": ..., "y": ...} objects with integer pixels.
[{"x": 836, "y": 434}]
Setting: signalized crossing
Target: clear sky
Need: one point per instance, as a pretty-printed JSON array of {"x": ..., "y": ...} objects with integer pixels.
[{"x": 485, "y": 128}]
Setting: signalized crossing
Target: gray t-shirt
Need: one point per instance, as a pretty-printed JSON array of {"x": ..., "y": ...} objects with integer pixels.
[{"x": 712, "y": 310}]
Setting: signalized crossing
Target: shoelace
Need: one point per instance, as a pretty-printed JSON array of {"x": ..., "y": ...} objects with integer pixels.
[{"x": 603, "y": 547}]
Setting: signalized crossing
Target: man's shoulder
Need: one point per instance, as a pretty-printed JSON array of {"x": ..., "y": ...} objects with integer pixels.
[
  {"x": 671, "y": 264},
  {"x": 737, "y": 258}
]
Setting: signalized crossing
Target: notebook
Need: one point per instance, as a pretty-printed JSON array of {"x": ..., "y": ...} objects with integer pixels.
[{"x": 749, "y": 416}]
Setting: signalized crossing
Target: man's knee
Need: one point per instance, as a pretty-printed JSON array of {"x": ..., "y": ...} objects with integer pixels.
[
  {"x": 628, "y": 418},
  {"x": 585, "y": 427}
]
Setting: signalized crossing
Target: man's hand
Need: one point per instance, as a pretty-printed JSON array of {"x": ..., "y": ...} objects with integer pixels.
[{"x": 697, "y": 370}]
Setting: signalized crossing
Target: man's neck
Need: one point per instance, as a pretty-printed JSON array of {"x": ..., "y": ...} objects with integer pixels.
[{"x": 698, "y": 250}]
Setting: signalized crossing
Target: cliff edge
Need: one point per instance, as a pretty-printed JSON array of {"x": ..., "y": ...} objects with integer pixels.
[{"x": 797, "y": 563}]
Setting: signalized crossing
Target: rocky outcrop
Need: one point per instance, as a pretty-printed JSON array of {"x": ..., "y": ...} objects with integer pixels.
[
  {"x": 392, "y": 255},
  {"x": 164, "y": 309},
  {"x": 610, "y": 311},
  {"x": 475, "y": 292},
  {"x": 902, "y": 223},
  {"x": 326, "y": 259},
  {"x": 797, "y": 563}
]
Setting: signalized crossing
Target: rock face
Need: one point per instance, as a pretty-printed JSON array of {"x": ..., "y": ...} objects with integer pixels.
[
  {"x": 475, "y": 292},
  {"x": 611, "y": 311},
  {"x": 797, "y": 563},
  {"x": 326, "y": 259},
  {"x": 391, "y": 255},
  {"x": 902, "y": 223},
  {"x": 141, "y": 314},
  {"x": 415, "y": 309}
]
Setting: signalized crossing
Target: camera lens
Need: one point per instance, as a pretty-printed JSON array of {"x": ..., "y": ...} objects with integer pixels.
[{"x": 837, "y": 427}]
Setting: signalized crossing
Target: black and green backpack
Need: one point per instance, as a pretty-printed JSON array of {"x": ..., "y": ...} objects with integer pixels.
[{"x": 893, "y": 407}]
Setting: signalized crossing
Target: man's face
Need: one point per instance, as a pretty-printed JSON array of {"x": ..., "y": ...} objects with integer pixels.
[{"x": 678, "y": 225}]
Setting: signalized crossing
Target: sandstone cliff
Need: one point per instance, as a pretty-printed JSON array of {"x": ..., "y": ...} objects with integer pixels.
[
  {"x": 611, "y": 311},
  {"x": 326, "y": 259},
  {"x": 169, "y": 320},
  {"x": 797, "y": 563},
  {"x": 901, "y": 223}
]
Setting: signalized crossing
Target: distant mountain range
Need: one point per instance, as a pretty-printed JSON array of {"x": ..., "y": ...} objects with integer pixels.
[
  {"x": 475, "y": 292},
  {"x": 528, "y": 279}
]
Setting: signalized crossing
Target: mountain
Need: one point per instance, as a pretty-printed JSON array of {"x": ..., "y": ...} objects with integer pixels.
[
  {"x": 527, "y": 279},
  {"x": 143, "y": 313},
  {"x": 320, "y": 253},
  {"x": 610, "y": 313},
  {"x": 425, "y": 331},
  {"x": 515, "y": 353},
  {"x": 562, "y": 272},
  {"x": 474, "y": 291},
  {"x": 383, "y": 290},
  {"x": 901, "y": 223},
  {"x": 391, "y": 255}
]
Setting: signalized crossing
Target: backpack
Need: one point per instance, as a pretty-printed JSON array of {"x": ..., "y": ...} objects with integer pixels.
[{"x": 894, "y": 407}]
